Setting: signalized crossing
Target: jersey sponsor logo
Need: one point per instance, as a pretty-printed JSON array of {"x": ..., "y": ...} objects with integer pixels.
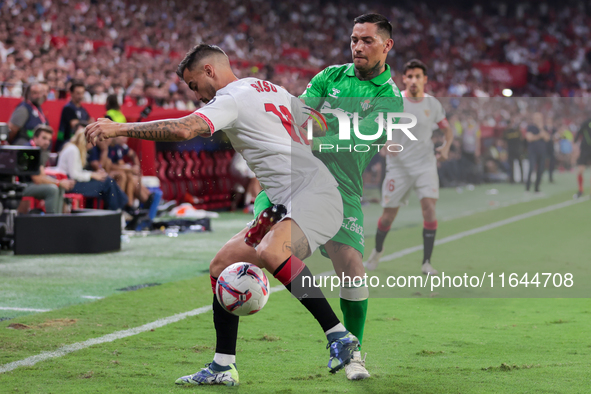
[
  {"x": 365, "y": 105},
  {"x": 427, "y": 112},
  {"x": 334, "y": 93},
  {"x": 350, "y": 224}
]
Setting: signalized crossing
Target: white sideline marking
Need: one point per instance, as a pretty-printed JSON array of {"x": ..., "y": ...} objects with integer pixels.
[
  {"x": 487, "y": 227},
  {"x": 93, "y": 297},
  {"x": 6, "y": 308},
  {"x": 30, "y": 361}
]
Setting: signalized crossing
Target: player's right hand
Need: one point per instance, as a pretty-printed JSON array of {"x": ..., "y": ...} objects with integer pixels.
[{"x": 101, "y": 130}]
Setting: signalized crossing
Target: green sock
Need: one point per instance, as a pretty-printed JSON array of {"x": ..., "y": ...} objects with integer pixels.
[{"x": 354, "y": 313}]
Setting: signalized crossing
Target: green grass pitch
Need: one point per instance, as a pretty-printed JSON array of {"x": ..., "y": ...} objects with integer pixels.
[{"x": 455, "y": 341}]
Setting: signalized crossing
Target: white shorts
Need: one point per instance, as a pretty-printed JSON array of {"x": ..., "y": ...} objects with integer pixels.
[
  {"x": 318, "y": 212},
  {"x": 399, "y": 182}
]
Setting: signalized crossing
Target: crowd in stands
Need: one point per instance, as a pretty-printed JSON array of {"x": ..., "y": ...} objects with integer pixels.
[
  {"x": 125, "y": 52},
  {"x": 131, "y": 48},
  {"x": 490, "y": 142}
]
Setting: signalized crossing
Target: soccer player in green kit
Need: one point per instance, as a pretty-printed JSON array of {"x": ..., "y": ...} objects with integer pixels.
[{"x": 364, "y": 87}]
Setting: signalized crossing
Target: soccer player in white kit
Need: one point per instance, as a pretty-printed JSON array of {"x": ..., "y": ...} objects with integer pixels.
[
  {"x": 257, "y": 117},
  {"x": 415, "y": 167}
]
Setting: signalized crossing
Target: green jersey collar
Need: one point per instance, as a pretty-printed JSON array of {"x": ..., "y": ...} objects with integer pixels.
[{"x": 378, "y": 81}]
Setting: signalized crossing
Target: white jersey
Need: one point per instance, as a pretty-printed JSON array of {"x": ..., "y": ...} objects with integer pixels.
[
  {"x": 418, "y": 155},
  {"x": 255, "y": 115}
]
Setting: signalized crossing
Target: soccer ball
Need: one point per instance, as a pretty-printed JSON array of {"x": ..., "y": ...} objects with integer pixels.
[{"x": 242, "y": 289}]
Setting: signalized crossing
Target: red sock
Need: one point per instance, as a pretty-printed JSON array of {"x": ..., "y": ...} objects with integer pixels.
[
  {"x": 214, "y": 281},
  {"x": 287, "y": 271},
  {"x": 381, "y": 227},
  {"x": 430, "y": 225},
  {"x": 580, "y": 180}
]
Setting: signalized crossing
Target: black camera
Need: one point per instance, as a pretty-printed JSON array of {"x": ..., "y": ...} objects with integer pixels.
[{"x": 14, "y": 161}]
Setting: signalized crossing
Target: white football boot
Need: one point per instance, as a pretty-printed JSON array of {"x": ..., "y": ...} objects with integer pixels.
[
  {"x": 427, "y": 269},
  {"x": 374, "y": 260},
  {"x": 356, "y": 368}
]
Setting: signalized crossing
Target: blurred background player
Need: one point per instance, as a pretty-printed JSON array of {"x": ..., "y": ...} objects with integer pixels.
[
  {"x": 584, "y": 139},
  {"x": 369, "y": 83},
  {"x": 416, "y": 166},
  {"x": 256, "y": 117}
]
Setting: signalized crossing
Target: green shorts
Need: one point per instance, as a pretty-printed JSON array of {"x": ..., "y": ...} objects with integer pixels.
[{"x": 351, "y": 232}]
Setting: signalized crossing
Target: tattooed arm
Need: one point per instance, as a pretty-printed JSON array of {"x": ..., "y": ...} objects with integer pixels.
[{"x": 181, "y": 129}]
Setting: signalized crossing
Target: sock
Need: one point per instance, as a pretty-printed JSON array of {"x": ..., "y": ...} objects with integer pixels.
[
  {"x": 354, "y": 314},
  {"x": 580, "y": 180},
  {"x": 338, "y": 329},
  {"x": 291, "y": 274},
  {"x": 226, "y": 329},
  {"x": 214, "y": 281},
  {"x": 223, "y": 361},
  {"x": 429, "y": 229},
  {"x": 381, "y": 235}
]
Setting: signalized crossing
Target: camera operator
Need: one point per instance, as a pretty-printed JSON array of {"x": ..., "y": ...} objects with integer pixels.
[
  {"x": 27, "y": 115},
  {"x": 42, "y": 186}
]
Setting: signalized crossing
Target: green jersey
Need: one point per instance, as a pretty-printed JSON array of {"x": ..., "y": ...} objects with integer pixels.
[{"x": 337, "y": 88}]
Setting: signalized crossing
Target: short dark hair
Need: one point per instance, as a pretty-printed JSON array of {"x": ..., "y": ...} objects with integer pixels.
[
  {"x": 112, "y": 102},
  {"x": 42, "y": 128},
  {"x": 195, "y": 55},
  {"x": 76, "y": 84},
  {"x": 383, "y": 24},
  {"x": 415, "y": 63}
]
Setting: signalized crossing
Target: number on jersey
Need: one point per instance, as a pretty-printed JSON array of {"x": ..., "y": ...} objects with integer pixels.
[{"x": 288, "y": 122}]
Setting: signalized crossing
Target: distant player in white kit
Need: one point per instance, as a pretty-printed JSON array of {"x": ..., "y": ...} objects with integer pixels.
[
  {"x": 257, "y": 117},
  {"x": 416, "y": 166}
]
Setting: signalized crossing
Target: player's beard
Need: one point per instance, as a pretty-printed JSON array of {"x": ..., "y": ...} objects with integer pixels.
[
  {"x": 370, "y": 71},
  {"x": 210, "y": 92},
  {"x": 414, "y": 90}
]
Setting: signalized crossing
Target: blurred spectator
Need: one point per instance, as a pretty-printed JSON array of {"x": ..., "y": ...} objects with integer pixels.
[
  {"x": 42, "y": 186},
  {"x": 72, "y": 114},
  {"x": 495, "y": 165},
  {"x": 565, "y": 143},
  {"x": 27, "y": 115},
  {"x": 514, "y": 140},
  {"x": 114, "y": 110},
  {"x": 97, "y": 184},
  {"x": 117, "y": 42},
  {"x": 537, "y": 138},
  {"x": 128, "y": 176},
  {"x": 470, "y": 138},
  {"x": 551, "y": 147}
]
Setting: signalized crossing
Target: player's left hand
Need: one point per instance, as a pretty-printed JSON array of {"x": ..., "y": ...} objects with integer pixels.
[
  {"x": 101, "y": 130},
  {"x": 442, "y": 153}
]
